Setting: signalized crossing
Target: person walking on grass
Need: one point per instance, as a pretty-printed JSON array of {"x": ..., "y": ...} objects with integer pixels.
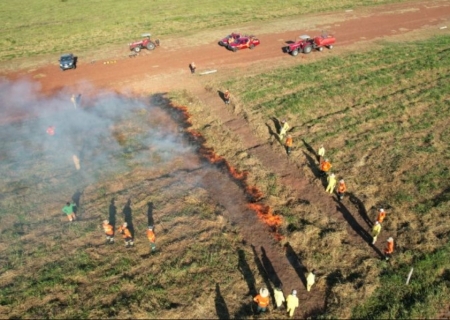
[
  {"x": 341, "y": 189},
  {"x": 126, "y": 234},
  {"x": 226, "y": 96},
  {"x": 310, "y": 280},
  {"x": 288, "y": 144},
  {"x": 292, "y": 303},
  {"x": 376, "y": 231},
  {"x": 279, "y": 297},
  {"x": 320, "y": 153},
  {"x": 389, "y": 250},
  {"x": 151, "y": 238},
  {"x": 192, "y": 67},
  {"x": 262, "y": 300},
  {"x": 331, "y": 183},
  {"x": 381, "y": 215},
  {"x": 324, "y": 167},
  {"x": 68, "y": 209},
  {"x": 283, "y": 130},
  {"x": 109, "y": 231}
]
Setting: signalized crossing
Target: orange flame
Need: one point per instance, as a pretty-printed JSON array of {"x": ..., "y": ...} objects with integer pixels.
[{"x": 254, "y": 195}]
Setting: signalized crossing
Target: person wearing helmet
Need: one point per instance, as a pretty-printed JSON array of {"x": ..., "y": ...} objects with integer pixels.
[
  {"x": 341, "y": 189},
  {"x": 279, "y": 297},
  {"x": 325, "y": 167},
  {"x": 288, "y": 144},
  {"x": 226, "y": 96},
  {"x": 283, "y": 130},
  {"x": 151, "y": 238},
  {"x": 292, "y": 303},
  {"x": 262, "y": 300},
  {"x": 109, "y": 231},
  {"x": 389, "y": 248},
  {"x": 331, "y": 183},
  {"x": 69, "y": 210},
  {"x": 320, "y": 153},
  {"x": 310, "y": 280},
  {"x": 376, "y": 231},
  {"x": 381, "y": 215},
  {"x": 126, "y": 234}
]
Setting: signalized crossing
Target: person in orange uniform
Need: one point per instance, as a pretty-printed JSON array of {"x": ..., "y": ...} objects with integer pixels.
[
  {"x": 226, "y": 96},
  {"x": 325, "y": 167},
  {"x": 381, "y": 215},
  {"x": 341, "y": 189},
  {"x": 262, "y": 299},
  {"x": 109, "y": 231},
  {"x": 288, "y": 144},
  {"x": 389, "y": 248},
  {"x": 126, "y": 234},
  {"x": 151, "y": 238}
]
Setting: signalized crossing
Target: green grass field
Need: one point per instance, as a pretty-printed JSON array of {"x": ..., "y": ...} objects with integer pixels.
[
  {"x": 42, "y": 27},
  {"x": 382, "y": 116}
]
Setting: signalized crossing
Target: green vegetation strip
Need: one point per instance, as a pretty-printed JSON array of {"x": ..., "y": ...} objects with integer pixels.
[
  {"x": 427, "y": 290},
  {"x": 38, "y": 27}
]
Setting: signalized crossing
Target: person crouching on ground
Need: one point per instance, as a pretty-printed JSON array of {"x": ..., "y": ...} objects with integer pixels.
[{"x": 68, "y": 209}]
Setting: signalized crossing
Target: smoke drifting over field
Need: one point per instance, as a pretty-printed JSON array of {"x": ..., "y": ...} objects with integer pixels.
[{"x": 106, "y": 132}]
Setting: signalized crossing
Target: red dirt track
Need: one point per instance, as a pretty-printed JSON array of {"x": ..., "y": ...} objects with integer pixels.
[{"x": 166, "y": 69}]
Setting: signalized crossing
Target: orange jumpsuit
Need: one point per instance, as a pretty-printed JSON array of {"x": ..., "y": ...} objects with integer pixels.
[
  {"x": 288, "y": 144},
  {"x": 381, "y": 216},
  {"x": 389, "y": 249},
  {"x": 263, "y": 302},
  {"x": 152, "y": 238}
]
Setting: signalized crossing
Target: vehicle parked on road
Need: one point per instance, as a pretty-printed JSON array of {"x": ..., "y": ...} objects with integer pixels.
[
  {"x": 146, "y": 43},
  {"x": 243, "y": 43},
  {"x": 306, "y": 44},
  {"x": 230, "y": 38},
  {"x": 67, "y": 61}
]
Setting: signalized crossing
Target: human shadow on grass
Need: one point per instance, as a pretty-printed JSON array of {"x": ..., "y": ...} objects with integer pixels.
[
  {"x": 246, "y": 272},
  {"x": 295, "y": 262},
  {"x": 128, "y": 216},
  {"x": 273, "y": 135},
  {"x": 268, "y": 267},
  {"x": 312, "y": 165},
  {"x": 112, "y": 210},
  {"x": 150, "y": 220},
  {"x": 263, "y": 273},
  {"x": 221, "y": 306},
  {"x": 310, "y": 149},
  {"x": 356, "y": 226},
  {"x": 361, "y": 208}
]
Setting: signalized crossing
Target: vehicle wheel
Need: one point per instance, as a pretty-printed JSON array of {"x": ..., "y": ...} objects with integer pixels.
[
  {"x": 234, "y": 49},
  {"x": 137, "y": 49},
  {"x": 252, "y": 46},
  {"x": 307, "y": 49},
  {"x": 295, "y": 52},
  {"x": 330, "y": 47},
  {"x": 320, "y": 49},
  {"x": 151, "y": 46},
  {"x": 221, "y": 43}
]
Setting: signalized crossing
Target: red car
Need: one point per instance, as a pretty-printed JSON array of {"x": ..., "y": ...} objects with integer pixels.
[
  {"x": 306, "y": 44},
  {"x": 243, "y": 43},
  {"x": 230, "y": 38}
]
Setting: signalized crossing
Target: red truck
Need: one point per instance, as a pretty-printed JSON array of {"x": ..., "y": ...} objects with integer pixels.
[{"x": 306, "y": 44}]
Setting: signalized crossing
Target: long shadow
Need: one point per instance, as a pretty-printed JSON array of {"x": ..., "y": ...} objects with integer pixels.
[
  {"x": 246, "y": 272},
  {"x": 263, "y": 273},
  {"x": 361, "y": 209},
  {"x": 312, "y": 164},
  {"x": 112, "y": 213},
  {"x": 332, "y": 279},
  {"x": 271, "y": 273},
  {"x": 128, "y": 216},
  {"x": 310, "y": 149},
  {"x": 221, "y": 306},
  {"x": 150, "y": 221},
  {"x": 273, "y": 135},
  {"x": 295, "y": 262},
  {"x": 277, "y": 124},
  {"x": 76, "y": 199},
  {"x": 356, "y": 226},
  {"x": 221, "y": 95}
]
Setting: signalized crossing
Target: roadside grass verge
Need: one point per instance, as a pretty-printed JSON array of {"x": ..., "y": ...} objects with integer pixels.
[{"x": 53, "y": 27}]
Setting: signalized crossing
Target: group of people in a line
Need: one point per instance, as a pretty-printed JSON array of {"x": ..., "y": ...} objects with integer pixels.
[
  {"x": 291, "y": 302},
  {"x": 325, "y": 171},
  {"x": 127, "y": 235}
]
